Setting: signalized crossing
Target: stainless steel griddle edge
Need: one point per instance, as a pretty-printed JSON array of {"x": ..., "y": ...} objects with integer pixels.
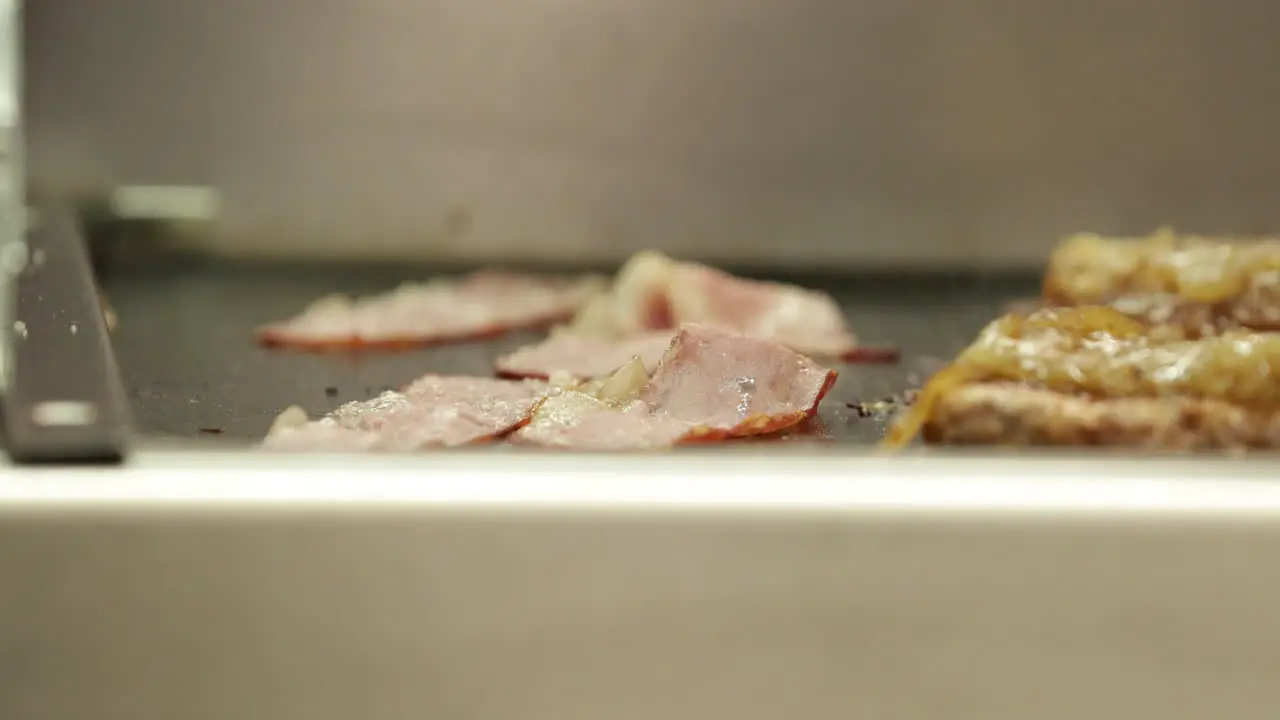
[
  {"x": 64, "y": 401},
  {"x": 752, "y": 582},
  {"x": 212, "y": 585}
]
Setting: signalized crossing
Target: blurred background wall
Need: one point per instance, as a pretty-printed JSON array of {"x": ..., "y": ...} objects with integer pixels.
[{"x": 800, "y": 132}]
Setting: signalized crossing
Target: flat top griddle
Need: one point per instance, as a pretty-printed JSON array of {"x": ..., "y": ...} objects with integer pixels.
[{"x": 191, "y": 369}]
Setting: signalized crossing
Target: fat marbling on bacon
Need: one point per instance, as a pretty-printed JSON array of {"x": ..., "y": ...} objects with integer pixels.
[
  {"x": 712, "y": 384},
  {"x": 653, "y": 292},
  {"x": 434, "y": 411},
  {"x": 483, "y": 304}
]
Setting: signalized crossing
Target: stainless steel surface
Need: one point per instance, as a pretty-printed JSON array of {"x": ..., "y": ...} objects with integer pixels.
[
  {"x": 218, "y": 586},
  {"x": 13, "y": 220},
  {"x": 64, "y": 401},
  {"x": 804, "y": 132}
]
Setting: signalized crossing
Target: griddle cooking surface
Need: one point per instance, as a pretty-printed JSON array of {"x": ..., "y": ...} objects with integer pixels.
[{"x": 191, "y": 369}]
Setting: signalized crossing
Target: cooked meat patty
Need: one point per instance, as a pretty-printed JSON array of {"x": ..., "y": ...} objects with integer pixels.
[
  {"x": 1005, "y": 413},
  {"x": 1083, "y": 365}
]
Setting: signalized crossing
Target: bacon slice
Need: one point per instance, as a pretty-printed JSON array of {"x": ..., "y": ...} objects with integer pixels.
[
  {"x": 584, "y": 357},
  {"x": 483, "y": 304},
  {"x": 711, "y": 385},
  {"x": 434, "y": 411},
  {"x": 653, "y": 292}
]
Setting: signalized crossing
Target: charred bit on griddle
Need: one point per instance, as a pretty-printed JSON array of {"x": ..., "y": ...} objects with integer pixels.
[
  {"x": 331, "y": 391},
  {"x": 883, "y": 406}
]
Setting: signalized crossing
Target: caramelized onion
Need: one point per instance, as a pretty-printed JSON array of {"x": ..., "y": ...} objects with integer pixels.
[
  {"x": 1099, "y": 351},
  {"x": 625, "y": 384},
  {"x": 1089, "y": 268}
]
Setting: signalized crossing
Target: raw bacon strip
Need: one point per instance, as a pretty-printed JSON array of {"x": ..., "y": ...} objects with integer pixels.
[
  {"x": 711, "y": 385},
  {"x": 871, "y": 355},
  {"x": 584, "y": 357},
  {"x": 434, "y": 411},
  {"x": 482, "y": 304},
  {"x": 654, "y": 292},
  {"x": 578, "y": 421}
]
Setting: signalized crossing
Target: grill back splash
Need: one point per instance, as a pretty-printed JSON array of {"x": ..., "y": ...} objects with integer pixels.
[{"x": 807, "y": 132}]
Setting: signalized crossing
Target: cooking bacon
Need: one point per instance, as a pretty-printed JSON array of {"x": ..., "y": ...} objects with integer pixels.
[
  {"x": 434, "y": 411},
  {"x": 653, "y": 292},
  {"x": 483, "y": 304},
  {"x": 584, "y": 357},
  {"x": 712, "y": 384},
  {"x": 1073, "y": 372}
]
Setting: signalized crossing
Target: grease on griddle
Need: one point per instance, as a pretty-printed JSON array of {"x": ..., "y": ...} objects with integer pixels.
[
  {"x": 872, "y": 355},
  {"x": 885, "y": 405}
]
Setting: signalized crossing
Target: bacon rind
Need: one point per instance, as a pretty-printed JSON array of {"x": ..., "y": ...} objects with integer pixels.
[
  {"x": 503, "y": 374},
  {"x": 763, "y": 424},
  {"x": 871, "y": 355}
]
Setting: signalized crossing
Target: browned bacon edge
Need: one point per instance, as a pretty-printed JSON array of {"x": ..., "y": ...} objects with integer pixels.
[
  {"x": 871, "y": 355},
  {"x": 760, "y": 424},
  {"x": 502, "y": 374},
  {"x": 754, "y": 425},
  {"x": 504, "y": 434}
]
